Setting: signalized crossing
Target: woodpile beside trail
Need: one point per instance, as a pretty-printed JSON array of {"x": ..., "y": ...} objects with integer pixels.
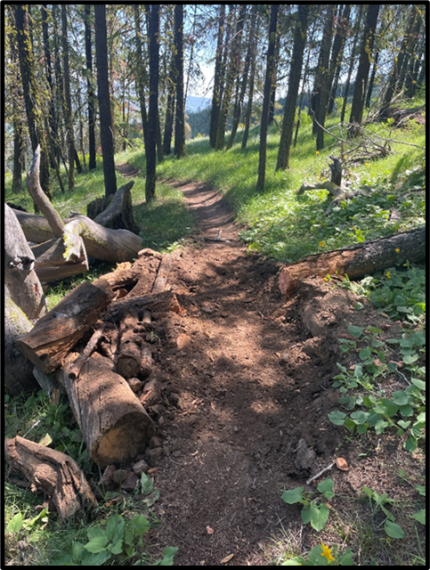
[{"x": 95, "y": 345}]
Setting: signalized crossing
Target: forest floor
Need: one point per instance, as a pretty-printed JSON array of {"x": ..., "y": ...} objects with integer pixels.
[{"x": 247, "y": 390}]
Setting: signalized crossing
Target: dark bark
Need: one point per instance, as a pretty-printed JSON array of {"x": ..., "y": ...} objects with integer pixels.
[
  {"x": 372, "y": 80},
  {"x": 232, "y": 72},
  {"x": 293, "y": 87},
  {"x": 68, "y": 100},
  {"x": 239, "y": 106},
  {"x": 357, "y": 260},
  {"x": 216, "y": 95},
  {"x": 106, "y": 136},
  {"x": 170, "y": 108},
  {"x": 272, "y": 101},
  {"x": 154, "y": 56},
  {"x": 247, "y": 119},
  {"x": 141, "y": 78},
  {"x": 322, "y": 79},
  {"x": 31, "y": 92},
  {"x": 266, "y": 97},
  {"x": 90, "y": 89},
  {"x": 361, "y": 79},
  {"x": 180, "y": 147},
  {"x": 352, "y": 63},
  {"x": 337, "y": 54}
]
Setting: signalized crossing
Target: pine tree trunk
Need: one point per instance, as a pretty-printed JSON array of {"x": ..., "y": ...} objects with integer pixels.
[
  {"x": 170, "y": 108},
  {"x": 151, "y": 159},
  {"x": 293, "y": 87},
  {"x": 216, "y": 96},
  {"x": 267, "y": 86},
  {"x": 352, "y": 63},
  {"x": 104, "y": 100},
  {"x": 250, "y": 96},
  {"x": 180, "y": 148},
  {"x": 90, "y": 90},
  {"x": 68, "y": 100},
  {"x": 361, "y": 79},
  {"x": 337, "y": 54},
  {"x": 141, "y": 78}
]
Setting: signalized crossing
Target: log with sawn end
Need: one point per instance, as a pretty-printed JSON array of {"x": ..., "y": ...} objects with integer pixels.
[{"x": 114, "y": 424}]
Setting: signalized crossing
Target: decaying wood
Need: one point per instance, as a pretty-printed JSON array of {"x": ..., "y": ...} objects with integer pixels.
[
  {"x": 40, "y": 198},
  {"x": 156, "y": 303},
  {"x": 18, "y": 370},
  {"x": 357, "y": 260},
  {"x": 54, "y": 473},
  {"x": 133, "y": 358},
  {"x": 119, "y": 213},
  {"x": 20, "y": 277},
  {"x": 53, "y": 261},
  {"x": 86, "y": 353},
  {"x": 59, "y": 330},
  {"x": 163, "y": 274},
  {"x": 114, "y": 424}
]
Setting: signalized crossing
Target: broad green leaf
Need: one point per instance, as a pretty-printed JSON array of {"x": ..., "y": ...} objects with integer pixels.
[
  {"x": 362, "y": 428},
  {"x": 293, "y": 496},
  {"x": 115, "y": 527},
  {"x": 139, "y": 525},
  {"x": 420, "y": 516},
  {"x": 418, "y": 383},
  {"x": 77, "y": 550},
  {"x": 15, "y": 524},
  {"x": 406, "y": 411},
  {"x": 400, "y": 398},
  {"x": 404, "y": 424},
  {"x": 168, "y": 555},
  {"x": 296, "y": 561},
  {"x": 319, "y": 516},
  {"x": 315, "y": 558},
  {"x": 387, "y": 406},
  {"x": 380, "y": 426},
  {"x": 97, "y": 544},
  {"x": 94, "y": 532},
  {"x": 326, "y": 487},
  {"x": 146, "y": 483},
  {"x": 410, "y": 358},
  {"x": 355, "y": 331},
  {"x": 346, "y": 558},
  {"x": 421, "y": 489},
  {"x": 349, "y": 424},
  {"x": 359, "y": 416},
  {"x": 337, "y": 418},
  {"x": 305, "y": 515},
  {"x": 393, "y": 530},
  {"x": 116, "y": 547},
  {"x": 411, "y": 443},
  {"x": 365, "y": 353}
]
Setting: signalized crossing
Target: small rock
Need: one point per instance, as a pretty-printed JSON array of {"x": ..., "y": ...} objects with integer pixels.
[
  {"x": 166, "y": 450},
  {"x": 135, "y": 384},
  {"x": 154, "y": 455},
  {"x": 106, "y": 478},
  {"x": 160, "y": 421},
  {"x": 119, "y": 476},
  {"x": 183, "y": 341},
  {"x": 129, "y": 483},
  {"x": 177, "y": 453},
  {"x": 154, "y": 442},
  {"x": 140, "y": 467}
]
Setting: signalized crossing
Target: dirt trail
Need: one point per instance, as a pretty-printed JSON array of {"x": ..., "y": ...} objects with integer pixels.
[
  {"x": 246, "y": 388},
  {"x": 240, "y": 396}
]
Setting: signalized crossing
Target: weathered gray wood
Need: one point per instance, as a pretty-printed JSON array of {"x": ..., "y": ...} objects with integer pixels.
[
  {"x": 54, "y": 473},
  {"x": 55, "y": 261},
  {"x": 20, "y": 277}
]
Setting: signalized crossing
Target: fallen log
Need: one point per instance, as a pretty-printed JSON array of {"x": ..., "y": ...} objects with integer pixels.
[
  {"x": 114, "y": 425},
  {"x": 163, "y": 273},
  {"x": 18, "y": 370},
  {"x": 86, "y": 353},
  {"x": 119, "y": 213},
  {"x": 356, "y": 260},
  {"x": 54, "y": 473},
  {"x": 133, "y": 358},
  {"x": 54, "y": 262},
  {"x": 156, "y": 303},
  {"x": 20, "y": 277},
  {"x": 55, "y": 334}
]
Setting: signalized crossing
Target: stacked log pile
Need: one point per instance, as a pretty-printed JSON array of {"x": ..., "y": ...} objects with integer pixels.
[{"x": 96, "y": 344}]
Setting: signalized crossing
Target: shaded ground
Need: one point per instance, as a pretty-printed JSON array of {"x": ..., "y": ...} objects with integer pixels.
[{"x": 246, "y": 395}]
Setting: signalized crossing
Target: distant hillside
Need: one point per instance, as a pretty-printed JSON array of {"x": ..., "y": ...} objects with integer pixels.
[{"x": 196, "y": 104}]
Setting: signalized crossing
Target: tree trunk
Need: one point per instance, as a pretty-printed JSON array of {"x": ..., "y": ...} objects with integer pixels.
[
  {"x": 250, "y": 95},
  {"x": 239, "y": 106},
  {"x": 21, "y": 279},
  {"x": 372, "y": 80},
  {"x": 114, "y": 424},
  {"x": 106, "y": 135},
  {"x": 267, "y": 86},
  {"x": 31, "y": 92},
  {"x": 352, "y": 62},
  {"x": 180, "y": 147},
  {"x": 170, "y": 109},
  {"x": 54, "y": 473},
  {"x": 151, "y": 159},
  {"x": 68, "y": 100},
  {"x": 90, "y": 89},
  {"x": 51, "y": 260},
  {"x": 216, "y": 95},
  {"x": 337, "y": 54},
  {"x": 272, "y": 101},
  {"x": 232, "y": 72},
  {"x": 18, "y": 369},
  {"x": 363, "y": 71},
  {"x": 140, "y": 74},
  {"x": 55, "y": 334},
  {"x": 356, "y": 260},
  {"x": 293, "y": 87}
]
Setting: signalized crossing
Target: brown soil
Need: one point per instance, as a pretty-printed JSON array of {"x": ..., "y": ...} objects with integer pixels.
[{"x": 246, "y": 380}]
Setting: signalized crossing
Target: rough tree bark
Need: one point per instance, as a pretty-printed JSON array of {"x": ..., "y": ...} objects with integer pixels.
[
  {"x": 357, "y": 260},
  {"x": 54, "y": 473},
  {"x": 180, "y": 147},
  {"x": 114, "y": 424},
  {"x": 154, "y": 56}
]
